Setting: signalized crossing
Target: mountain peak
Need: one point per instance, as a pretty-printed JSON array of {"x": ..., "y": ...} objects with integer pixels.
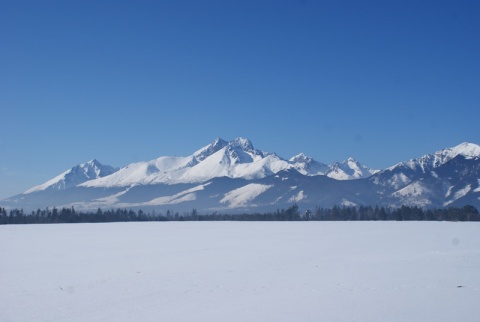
[
  {"x": 78, "y": 174},
  {"x": 307, "y": 165},
  {"x": 349, "y": 169},
  {"x": 243, "y": 143},
  {"x": 350, "y": 159},
  {"x": 300, "y": 158},
  {"x": 219, "y": 141},
  {"x": 93, "y": 162},
  {"x": 218, "y": 144},
  {"x": 210, "y": 149},
  {"x": 466, "y": 149}
]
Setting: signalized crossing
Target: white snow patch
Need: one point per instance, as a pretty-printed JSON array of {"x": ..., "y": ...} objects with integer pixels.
[
  {"x": 348, "y": 203},
  {"x": 449, "y": 192},
  {"x": 113, "y": 199},
  {"x": 186, "y": 195},
  {"x": 399, "y": 180},
  {"x": 478, "y": 188},
  {"x": 462, "y": 192},
  {"x": 414, "y": 189},
  {"x": 298, "y": 197},
  {"x": 242, "y": 196}
]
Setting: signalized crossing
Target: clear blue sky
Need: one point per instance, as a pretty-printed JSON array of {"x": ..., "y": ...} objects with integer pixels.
[{"x": 126, "y": 81}]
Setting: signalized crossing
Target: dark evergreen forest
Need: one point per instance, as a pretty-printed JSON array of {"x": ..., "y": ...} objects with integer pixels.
[{"x": 292, "y": 213}]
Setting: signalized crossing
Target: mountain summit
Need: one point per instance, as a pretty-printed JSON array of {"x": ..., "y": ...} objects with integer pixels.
[
  {"x": 79, "y": 174},
  {"x": 349, "y": 169}
]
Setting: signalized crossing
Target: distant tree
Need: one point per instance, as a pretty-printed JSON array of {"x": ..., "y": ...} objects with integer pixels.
[
  {"x": 194, "y": 214},
  {"x": 292, "y": 212}
]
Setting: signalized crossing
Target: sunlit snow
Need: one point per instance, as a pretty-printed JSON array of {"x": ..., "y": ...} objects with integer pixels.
[
  {"x": 414, "y": 189},
  {"x": 459, "y": 194},
  {"x": 188, "y": 194},
  {"x": 241, "y": 271},
  {"x": 478, "y": 188},
  {"x": 242, "y": 196},
  {"x": 298, "y": 197}
]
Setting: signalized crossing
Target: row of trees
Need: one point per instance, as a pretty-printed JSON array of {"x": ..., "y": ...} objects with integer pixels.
[{"x": 292, "y": 213}]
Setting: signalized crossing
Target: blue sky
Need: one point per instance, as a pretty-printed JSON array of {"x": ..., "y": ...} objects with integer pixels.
[{"x": 127, "y": 81}]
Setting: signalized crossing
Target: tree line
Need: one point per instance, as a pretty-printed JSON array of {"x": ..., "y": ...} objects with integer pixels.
[{"x": 292, "y": 213}]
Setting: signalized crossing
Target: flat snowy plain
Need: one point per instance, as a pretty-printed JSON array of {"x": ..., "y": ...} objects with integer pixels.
[{"x": 241, "y": 271}]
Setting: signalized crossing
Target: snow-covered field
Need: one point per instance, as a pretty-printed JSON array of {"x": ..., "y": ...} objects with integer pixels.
[{"x": 241, "y": 271}]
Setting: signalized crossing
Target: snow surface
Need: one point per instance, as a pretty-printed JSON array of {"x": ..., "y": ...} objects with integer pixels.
[{"x": 241, "y": 271}]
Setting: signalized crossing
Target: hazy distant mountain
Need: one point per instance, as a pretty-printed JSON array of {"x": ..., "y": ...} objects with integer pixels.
[{"x": 234, "y": 176}]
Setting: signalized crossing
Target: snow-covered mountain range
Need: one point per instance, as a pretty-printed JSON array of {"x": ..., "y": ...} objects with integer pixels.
[{"x": 234, "y": 176}]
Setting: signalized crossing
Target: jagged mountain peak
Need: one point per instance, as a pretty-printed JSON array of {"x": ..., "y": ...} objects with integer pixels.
[
  {"x": 210, "y": 149},
  {"x": 92, "y": 162},
  {"x": 307, "y": 165},
  {"x": 350, "y": 160},
  {"x": 349, "y": 169},
  {"x": 301, "y": 157},
  {"x": 76, "y": 175},
  {"x": 241, "y": 150},
  {"x": 94, "y": 169},
  {"x": 218, "y": 144},
  {"x": 242, "y": 143}
]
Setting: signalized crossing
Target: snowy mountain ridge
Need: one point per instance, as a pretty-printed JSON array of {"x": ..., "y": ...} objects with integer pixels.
[
  {"x": 234, "y": 176},
  {"x": 234, "y": 159},
  {"x": 429, "y": 162}
]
